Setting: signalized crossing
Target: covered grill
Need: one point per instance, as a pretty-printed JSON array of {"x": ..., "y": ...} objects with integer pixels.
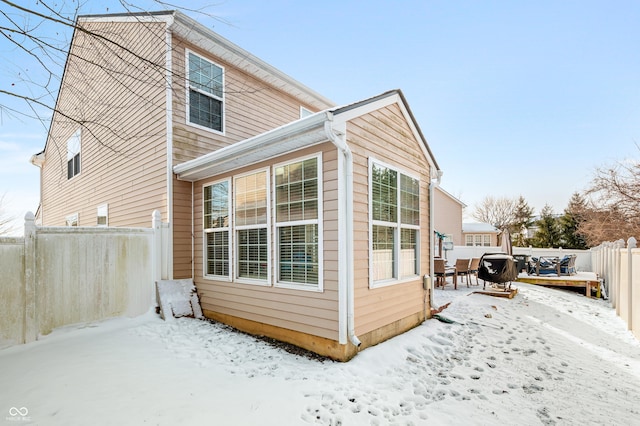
[{"x": 497, "y": 268}]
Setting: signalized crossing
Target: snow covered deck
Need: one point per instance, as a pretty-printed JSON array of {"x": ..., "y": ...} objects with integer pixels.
[{"x": 588, "y": 280}]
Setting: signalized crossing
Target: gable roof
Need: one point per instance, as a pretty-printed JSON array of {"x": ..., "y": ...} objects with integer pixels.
[
  {"x": 299, "y": 134},
  {"x": 199, "y": 35},
  {"x": 439, "y": 188}
]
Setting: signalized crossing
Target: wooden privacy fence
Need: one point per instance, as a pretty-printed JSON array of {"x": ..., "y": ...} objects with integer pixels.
[
  {"x": 618, "y": 264},
  {"x": 55, "y": 276}
]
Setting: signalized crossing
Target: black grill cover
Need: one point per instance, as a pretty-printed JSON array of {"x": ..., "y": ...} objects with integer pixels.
[{"x": 497, "y": 268}]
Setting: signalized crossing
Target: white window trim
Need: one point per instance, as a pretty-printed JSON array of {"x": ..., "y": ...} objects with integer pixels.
[
  {"x": 76, "y": 135},
  {"x": 398, "y": 226},
  {"x": 268, "y": 226},
  {"x": 229, "y": 229},
  {"x": 106, "y": 208},
  {"x": 305, "y": 287},
  {"x": 188, "y": 88}
]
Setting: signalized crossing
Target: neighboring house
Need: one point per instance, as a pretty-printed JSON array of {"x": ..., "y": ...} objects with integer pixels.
[
  {"x": 296, "y": 218},
  {"x": 447, "y": 216},
  {"x": 480, "y": 234}
]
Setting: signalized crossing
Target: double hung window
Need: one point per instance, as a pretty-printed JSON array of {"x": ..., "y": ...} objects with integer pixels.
[
  {"x": 251, "y": 210},
  {"x": 297, "y": 188},
  {"x": 205, "y": 93},
  {"x": 395, "y": 224},
  {"x": 216, "y": 229},
  {"x": 73, "y": 155}
]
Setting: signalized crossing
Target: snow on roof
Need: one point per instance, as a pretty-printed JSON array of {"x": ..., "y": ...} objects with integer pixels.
[{"x": 469, "y": 228}]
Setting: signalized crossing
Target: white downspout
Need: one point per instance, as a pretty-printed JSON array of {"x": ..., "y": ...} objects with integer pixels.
[
  {"x": 345, "y": 262},
  {"x": 169, "y": 146},
  {"x": 431, "y": 239}
]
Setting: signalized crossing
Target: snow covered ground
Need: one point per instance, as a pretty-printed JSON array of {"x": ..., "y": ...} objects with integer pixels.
[{"x": 545, "y": 357}]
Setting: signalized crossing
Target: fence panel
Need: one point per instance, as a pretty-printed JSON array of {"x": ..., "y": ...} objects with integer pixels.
[
  {"x": 11, "y": 291},
  {"x": 55, "y": 276}
]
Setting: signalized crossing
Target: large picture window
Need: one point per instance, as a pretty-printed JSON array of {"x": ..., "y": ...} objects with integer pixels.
[
  {"x": 251, "y": 208},
  {"x": 395, "y": 224},
  {"x": 216, "y": 228},
  {"x": 206, "y": 96},
  {"x": 297, "y": 191}
]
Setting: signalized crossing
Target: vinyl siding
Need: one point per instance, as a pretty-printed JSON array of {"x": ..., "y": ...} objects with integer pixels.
[
  {"x": 385, "y": 136},
  {"x": 120, "y": 98},
  {"x": 314, "y": 313},
  {"x": 251, "y": 107}
]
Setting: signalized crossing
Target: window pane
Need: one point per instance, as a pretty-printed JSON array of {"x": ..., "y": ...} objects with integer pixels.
[
  {"x": 205, "y": 111},
  {"x": 384, "y": 194},
  {"x": 297, "y": 191},
  {"x": 252, "y": 253},
  {"x": 410, "y": 200},
  {"x": 408, "y": 252},
  {"x": 217, "y": 256},
  {"x": 251, "y": 199},
  {"x": 216, "y": 205},
  {"x": 298, "y": 253},
  {"x": 383, "y": 253},
  {"x": 205, "y": 75}
]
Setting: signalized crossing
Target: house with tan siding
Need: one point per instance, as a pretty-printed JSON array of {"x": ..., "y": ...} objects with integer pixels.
[{"x": 297, "y": 219}]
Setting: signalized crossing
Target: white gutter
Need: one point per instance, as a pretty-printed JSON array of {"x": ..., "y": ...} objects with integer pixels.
[
  {"x": 169, "y": 119},
  {"x": 345, "y": 252}
]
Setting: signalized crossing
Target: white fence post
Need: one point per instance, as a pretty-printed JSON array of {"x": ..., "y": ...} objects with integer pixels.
[
  {"x": 156, "y": 224},
  {"x": 30, "y": 323},
  {"x": 631, "y": 244}
]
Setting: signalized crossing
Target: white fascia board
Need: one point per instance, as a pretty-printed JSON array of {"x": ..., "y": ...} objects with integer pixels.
[
  {"x": 201, "y": 36},
  {"x": 166, "y": 17},
  {"x": 439, "y": 188},
  {"x": 385, "y": 100}
]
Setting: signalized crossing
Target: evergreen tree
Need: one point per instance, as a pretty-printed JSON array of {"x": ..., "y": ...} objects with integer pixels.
[
  {"x": 522, "y": 220},
  {"x": 570, "y": 223},
  {"x": 548, "y": 233}
]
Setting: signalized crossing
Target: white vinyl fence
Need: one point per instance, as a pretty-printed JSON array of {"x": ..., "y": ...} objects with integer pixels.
[
  {"x": 618, "y": 263},
  {"x": 55, "y": 276}
]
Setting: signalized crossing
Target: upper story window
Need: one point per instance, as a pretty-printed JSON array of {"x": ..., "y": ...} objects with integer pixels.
[
  {"x": 73, "y": 155},
  {"x": 395, "y": 224},
  {"x": 206, "y": 93}
]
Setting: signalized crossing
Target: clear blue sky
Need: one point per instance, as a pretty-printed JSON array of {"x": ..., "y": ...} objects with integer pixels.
[{"x": 514, "y": 98}]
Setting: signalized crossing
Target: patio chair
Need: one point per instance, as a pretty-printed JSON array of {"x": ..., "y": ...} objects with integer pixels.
[
  {"x": 568, "y": 265},
  {"x": 473, "y": 268},
  {"x": 462, "y": 269},
  {"x": 546, "y": 265},
  {"x": 441, "y": 273}
]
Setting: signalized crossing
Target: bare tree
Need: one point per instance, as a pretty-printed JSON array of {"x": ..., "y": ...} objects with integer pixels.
[
  {"x": 499, "y": 212},
  {"x": 613, "y": 210},
  {"x": 6, "y": 221},
  {"x": 40, "y": 35}
]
